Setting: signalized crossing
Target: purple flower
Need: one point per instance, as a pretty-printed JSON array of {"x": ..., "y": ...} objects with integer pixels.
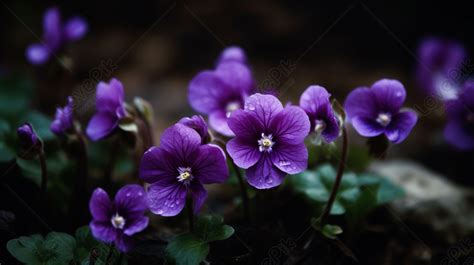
[
  {"x": 459, "y": 130},
  {"x": 27, "y": 137},
  {"x": 233, "y": 54},
  {"x": 440, "y": 66},
  {"x": 55, "y": 35},
  {"x": 315, "y": 101},
  {"x": 219, "y": 92},
  {"x": 269, "y": 140},
  {"x": 181, "y": 165},
  {"x": 110, "y": 108},
  {"x": 116, "y": 221},
  {"x": 376, "y": 110},
  {"x": 197, "y": 123},
  {"x": 64, "y": 119}
]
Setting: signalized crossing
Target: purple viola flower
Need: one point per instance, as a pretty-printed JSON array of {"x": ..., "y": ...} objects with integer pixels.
[
  {"x": 219, "y": 92},
  {"x": 324, "y": 122},
  {"x": 197, "y": 123},
  {"x": 27, "y": 137},
  {"x": 440, "y": 66},
  {"x": 376, "y": 110},
  {"x": 269, "y": 140},
  {"x": 64, "y": 119},
  {"x": 55, "y": 35},
  {"x": 181, "y": 165},
  {"x": 117, "y": 221},
  {"x": 110, "y": 108},
  {"x": 233, "y": 54},
  {"x": 459, "y": 130}
]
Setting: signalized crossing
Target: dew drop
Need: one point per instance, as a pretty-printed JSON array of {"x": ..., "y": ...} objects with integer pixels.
[{"x": 284, "y": 163}]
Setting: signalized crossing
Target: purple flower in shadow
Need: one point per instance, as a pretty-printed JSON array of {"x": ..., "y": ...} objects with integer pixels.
[
  {"x": 439, "y": 71},
  {"x": 63, "y": 119},
  {"x": 269, "y": 140},
  {"x": 27, "y": 137},
  {"x": 197, "y": 123},
  {"x": 55, "y": 35},
  {"x": 110, "y": 108},
  {"x": 459, "y": 130},
  {"x": 315, "y": 102},
  {"x": 219, "y": 92},
  {"x": 117, "y": 221},
  {"x": 376, "y": 110},
  {"x": 180, "y": 166}
]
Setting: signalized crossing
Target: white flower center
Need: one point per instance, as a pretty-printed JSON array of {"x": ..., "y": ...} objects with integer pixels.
[
  {"x": 265, "y": 143},
  {"x": 231, "y": 107},
  {"x": 185, "y": 175},
  {"x": 117, "y": 221},
  {"x": 320, "y": 126},
  {"x": 384, "y": 119}
]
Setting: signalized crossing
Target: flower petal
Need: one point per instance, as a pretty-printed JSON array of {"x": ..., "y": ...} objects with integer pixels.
[
  {"x": 101, "y": 125},
  {"x": 37, "y": 54},
  {"x": 199, "y": 195},
  {"x": 401, "y": 126},
  {"x": 291, "y": 159},
  {"x": 100, "y": 205},
  {"x": 165, "y": 199},
  {"x": 458, "y": 135},
  {"x": 366, "y": 126},
  {"x": 389, "y": 94},
  {"x": 52, "y": 28},
  {"x": 197, "y": 123},
  {"x": 181, "y": 141},
  {"x": 157, "y": 165},
  {"x": 233, "y": 54},
  {"x": 246, "y": 126},
  {"x": 314, "y": 99},
  {"x": 219, "y": 122},
  {"x": 360, "y": 102},
  {"x": 210, "y": 165},
  {"x": 109, "y": 96},
  {"x": 75, "y": 28},
  {"x": 124, "y": 242},
  {"x": 263, "y": 107},
  {"x": 243, "y": 153},
  {"x": 264, "y": 175},
  {"x": 332, "y": 128},
  {"x": 206, "y": 92},
  {"x": 290, "y": 126},
  {"x": 130, "y": 200},
  {"x": 136, "y": 225},
  {"x": 236, "y": 75},
  {"x": 103, "y": 231}
]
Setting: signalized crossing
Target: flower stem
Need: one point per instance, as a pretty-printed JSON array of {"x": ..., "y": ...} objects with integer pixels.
[
  {"x": 337, "y": 183},
  {"x": 109, "y": 255},
  {"x": 243, "y": 192},
  {"x": 79, "y": 204},
  {"x": 44, "y": 173},
  {"x": 243, "y": 187},
  {"x": 189, "y": 207}
]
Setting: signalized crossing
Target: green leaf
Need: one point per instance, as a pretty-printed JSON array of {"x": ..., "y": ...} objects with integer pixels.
[
  {"x": 187, "y": 249},
  {"x": 41, "y": 123},
  {"x": 331, "y": 231},
  {"x": 85, "y": 243},
  {"x": 386, "y": 192},
  {"x": 25, "y": 249},
  {"x": 212, "y": 228},
  {"x": 56, "y": 249},
  {"x": 15, "y": 94},
  {"x": 30, "y": 169}
]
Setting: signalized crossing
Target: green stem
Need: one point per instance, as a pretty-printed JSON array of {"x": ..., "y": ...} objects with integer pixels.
[
  {"x": 109, "y": 255},
  {"x": 243, "y": 187},
  {"x": 44, "y": 173},
  {"x": 337, "y": 183}
]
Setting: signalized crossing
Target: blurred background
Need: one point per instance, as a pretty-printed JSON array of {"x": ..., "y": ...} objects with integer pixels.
[{"x": 156, "y": 47}]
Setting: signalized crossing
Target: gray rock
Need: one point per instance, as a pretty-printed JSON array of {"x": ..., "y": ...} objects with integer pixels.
[{"x": 430, "y": 199}]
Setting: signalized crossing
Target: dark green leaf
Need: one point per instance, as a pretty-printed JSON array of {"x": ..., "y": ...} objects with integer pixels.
[
  {"x": 212, "y": 228},
  {"x": 187, "y": 249}
]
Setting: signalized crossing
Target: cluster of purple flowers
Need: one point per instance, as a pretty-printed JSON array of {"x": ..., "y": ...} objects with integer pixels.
[{"x": 441, "y": 74}]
